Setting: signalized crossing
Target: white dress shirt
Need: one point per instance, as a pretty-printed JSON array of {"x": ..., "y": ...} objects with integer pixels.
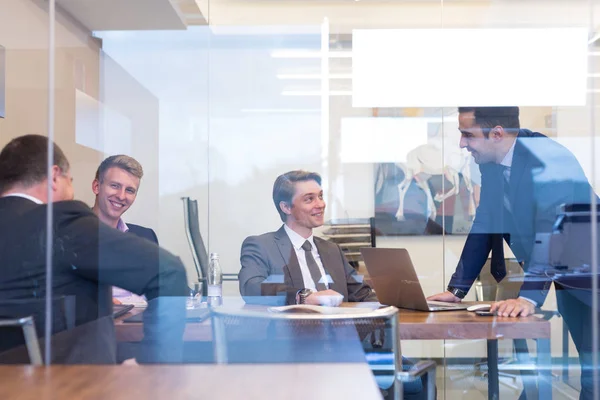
[
  {"x": 507, "y": 161},
  {"x": 297, "y": 242},
  {"x": 25, "y": 196}
]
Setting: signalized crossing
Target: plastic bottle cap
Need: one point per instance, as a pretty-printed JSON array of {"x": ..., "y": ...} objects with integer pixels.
[{"x": 213, "y": 256}]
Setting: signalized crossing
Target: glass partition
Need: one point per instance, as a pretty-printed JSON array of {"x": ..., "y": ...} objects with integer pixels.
[{"x": 384, "y": 151}]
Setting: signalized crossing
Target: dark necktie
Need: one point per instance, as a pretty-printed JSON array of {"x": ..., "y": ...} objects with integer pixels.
[
  {"x": 313, "y": 267},
  {"x": 498, "y": 265}
]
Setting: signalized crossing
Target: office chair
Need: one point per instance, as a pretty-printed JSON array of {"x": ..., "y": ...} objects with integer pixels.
[
  {"x": 256, "y": 336},
  {"x": 11, "y": 343},
  {"x": 29, "y": 335},
  {"x": 199, "y": 253}
]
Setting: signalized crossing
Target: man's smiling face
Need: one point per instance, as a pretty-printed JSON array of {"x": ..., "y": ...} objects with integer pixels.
[
  {"x": 115, "y": 192},
  {"x": 308, "y": 206},
  {"x": 473, "y": 139}
]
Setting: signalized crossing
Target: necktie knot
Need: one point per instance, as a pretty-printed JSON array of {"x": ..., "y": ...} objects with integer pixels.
[{"x": 307, "y": 246}]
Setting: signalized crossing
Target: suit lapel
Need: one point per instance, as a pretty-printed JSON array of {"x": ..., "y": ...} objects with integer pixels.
[
  {"x": 331, "y": 264},
  {"x": 520, "y": 167},
  {"x": 284, "y": 245}
]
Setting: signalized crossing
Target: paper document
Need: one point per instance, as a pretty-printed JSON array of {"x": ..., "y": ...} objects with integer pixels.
[{"x": 310, "y": 309}]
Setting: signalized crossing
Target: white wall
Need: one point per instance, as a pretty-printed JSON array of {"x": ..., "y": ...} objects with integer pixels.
[{"x": 24, "y": 34}]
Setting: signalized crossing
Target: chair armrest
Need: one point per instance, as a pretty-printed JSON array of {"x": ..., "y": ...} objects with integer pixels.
[{"x": 419, "y": 369}]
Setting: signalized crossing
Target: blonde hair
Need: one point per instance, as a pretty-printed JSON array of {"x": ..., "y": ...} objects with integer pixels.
[{"x": 122, "y": 161}]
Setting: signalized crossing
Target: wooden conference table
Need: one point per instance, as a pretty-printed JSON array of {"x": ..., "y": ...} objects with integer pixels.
[
  {"x": 419, "y": 325},
  {"x": 276, "y": 381}
]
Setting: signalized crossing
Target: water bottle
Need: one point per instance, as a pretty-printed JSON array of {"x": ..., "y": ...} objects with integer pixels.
[{"x": 215, "y": 281}]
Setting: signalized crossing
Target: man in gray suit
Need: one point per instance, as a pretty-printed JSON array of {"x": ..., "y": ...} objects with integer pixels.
[{"x": 314, "y": 270}]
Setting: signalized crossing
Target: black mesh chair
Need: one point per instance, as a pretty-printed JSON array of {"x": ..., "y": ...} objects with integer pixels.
[
  {"x": 259, "y": 336},
  {"x": 199, "y": 253}
]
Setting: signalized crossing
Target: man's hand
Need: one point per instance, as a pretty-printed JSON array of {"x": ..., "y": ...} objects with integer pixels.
[
  {"x": 116, "y": 301},
  {"x": 446, "y": 296},
  {"x": 513, "y": 308},
  {"x": 327, "y": 297}
]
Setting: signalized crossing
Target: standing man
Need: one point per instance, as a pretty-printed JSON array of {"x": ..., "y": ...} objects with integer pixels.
[
  {"x": 88, "y": 258},
  {"x": 525, "y": 177},
  {"x": 314, "y": 270},
  {"x": 116, "y": 186}
]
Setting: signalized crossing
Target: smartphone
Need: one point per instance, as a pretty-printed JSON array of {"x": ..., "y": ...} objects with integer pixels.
[{"x": 485, "y": 313}]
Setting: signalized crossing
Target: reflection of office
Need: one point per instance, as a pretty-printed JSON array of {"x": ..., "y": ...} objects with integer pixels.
[{"x": 429, "y": 184}]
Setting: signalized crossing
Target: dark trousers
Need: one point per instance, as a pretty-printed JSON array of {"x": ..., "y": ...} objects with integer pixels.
[{"x": 574, "y": 301}]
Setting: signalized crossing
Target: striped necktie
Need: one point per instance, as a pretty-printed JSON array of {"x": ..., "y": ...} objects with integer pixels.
[
  {"x": 506, "y": 187},
  {"x": 313, "y": 267}
]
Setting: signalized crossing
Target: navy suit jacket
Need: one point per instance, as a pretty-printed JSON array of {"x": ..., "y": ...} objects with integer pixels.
[
  {"x": 143, "y": 232},
  {"x": 272, "y": 254},
  {"x": 544, "y": 175},
  {"x": 90, "y": 257}
]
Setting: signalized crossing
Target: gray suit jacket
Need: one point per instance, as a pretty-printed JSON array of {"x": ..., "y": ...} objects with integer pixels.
[{"x": 272, "y": 254}]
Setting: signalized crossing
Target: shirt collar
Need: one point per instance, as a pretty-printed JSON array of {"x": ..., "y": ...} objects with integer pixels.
[
  {"x": 508, "y": 158},
  {"x": 296, "y": 239},
  {"x": 122, "y": 226},
  {"x": 25, "y": 196}
]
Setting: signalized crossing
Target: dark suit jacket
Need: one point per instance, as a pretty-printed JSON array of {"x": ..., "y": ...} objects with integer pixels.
[
  {"x": 143, "y": 232},
  {"x": 88, "y": 258},
  {"x": 272, "y": 254},
  {"x": 544, "y": 175}
]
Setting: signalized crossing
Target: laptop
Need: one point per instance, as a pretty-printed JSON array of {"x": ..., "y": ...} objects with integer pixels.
[{"x": 396, "y": 283}]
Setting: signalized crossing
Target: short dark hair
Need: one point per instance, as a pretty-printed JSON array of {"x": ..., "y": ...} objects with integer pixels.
[
  {"x": 284, "y": 187},
  {"x": 489, "y": 117},
  {"x": 23, "y": 161},
  {"x": 122, "y": 161}
]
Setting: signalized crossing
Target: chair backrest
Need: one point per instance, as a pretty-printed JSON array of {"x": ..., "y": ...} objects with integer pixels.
[
  {"x": 29, "y": 335},
  {"x": 192, "y": 229},
  {"x": 63, "y": 317},
  {"x": 259, "y": 336},
  {"x": 252, "y": 336}
]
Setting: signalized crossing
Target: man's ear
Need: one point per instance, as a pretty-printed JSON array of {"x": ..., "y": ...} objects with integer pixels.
[
  {"x": 56, "y": 173},
  {"x": 96, "y": 187},
  {"x": 497, "y": 133},
  {"x": 285, "y": 207}
]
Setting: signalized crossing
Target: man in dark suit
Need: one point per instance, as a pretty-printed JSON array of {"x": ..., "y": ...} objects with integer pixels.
[
  {"x": 525, "y": 178},
  {"x": 116, "y": 186},
  {"x": 305, "y": 268},
  {"x": 88, "y": 258}
]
